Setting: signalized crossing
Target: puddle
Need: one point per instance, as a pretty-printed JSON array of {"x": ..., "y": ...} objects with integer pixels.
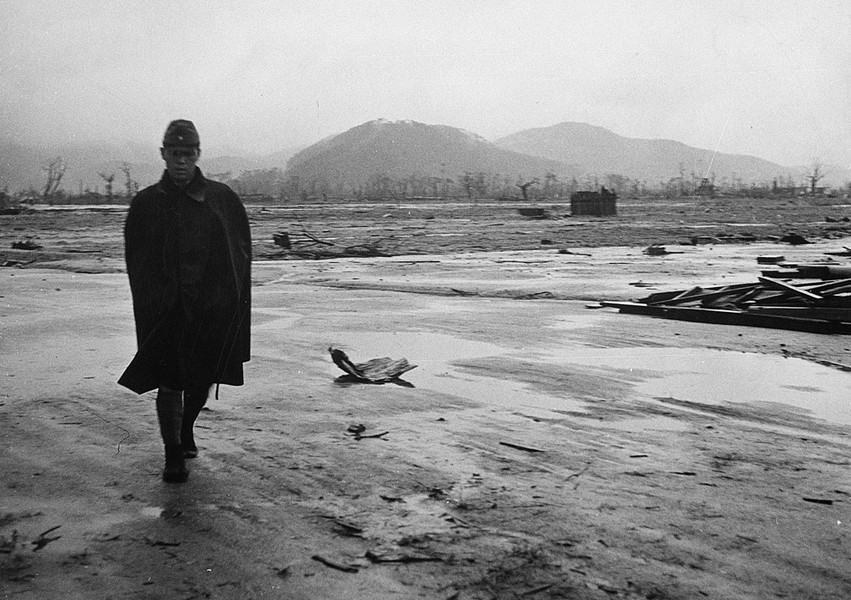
[
  {"x": 715, "y": 377},
  {"x": 699, "y": 375},
  {"x": 436, "y": 373},
  {"x": 154, "y": 512}
]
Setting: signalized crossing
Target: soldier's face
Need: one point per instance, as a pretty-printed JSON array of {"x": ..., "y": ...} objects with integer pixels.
[{"x": 180, "y": 163}]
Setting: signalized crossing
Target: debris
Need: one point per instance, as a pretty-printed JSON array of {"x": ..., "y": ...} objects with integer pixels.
[
  {"x": 533, "y": 212},
  {"x": 10, "y": 545},
  {"x": 16, "y": 263},
  {"x": 816, "y": 307},
  {"x": 846, "y": 251},
  {"x": 537, "y": 590},
  {"x": 658, "y": 250},
  {"x": 770, "y": 260},
  {"x": 42, "y": 540},
  {"x": 304, "y": 244},
  {"x": 781, "y": 285},
  {"x": 358, "y": 432},
  {"x": 26, "y": 245},
  {"x": 356, "y": 429},
  {"x": 374, "y": 435},
  {"x": 813, "y": 272},
  {"x": 377, "y": 370},
  {"x": 566, "y": 251},
  {"x": 521, "y": 447},
  {"x": 283, "y": 572},
  {"x": 464, "y": 293},
  {"x": 795, "y": 239},
  {"x": 642, "y": 284},
  {"x": 282, "y": 239},
  {"x": 348, "y": 528},
  {"x": 334, "y": 564},
  {"x": 535, "y": 296},
  {"x": 161, "y": 543},
  {"x": 818, "y": 500},
  {"x": 393, "y": 554}
]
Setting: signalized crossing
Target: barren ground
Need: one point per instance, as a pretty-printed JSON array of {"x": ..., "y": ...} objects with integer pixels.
[{"x": 535, "y": 451}]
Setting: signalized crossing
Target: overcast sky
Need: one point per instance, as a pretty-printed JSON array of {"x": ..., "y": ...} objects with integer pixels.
[{"x": 767, "y": 78}]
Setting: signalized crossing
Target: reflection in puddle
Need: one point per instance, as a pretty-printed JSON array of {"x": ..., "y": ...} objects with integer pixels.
[
  {"x": 433, "y": 354},
  {"x": 715, "y": 377},
  {"x": 696, "y": 375},
  {"x": 152, "y": 511}
]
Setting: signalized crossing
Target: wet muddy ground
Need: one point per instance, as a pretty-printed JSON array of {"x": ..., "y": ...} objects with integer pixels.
[{"x": 540, "y": 448}]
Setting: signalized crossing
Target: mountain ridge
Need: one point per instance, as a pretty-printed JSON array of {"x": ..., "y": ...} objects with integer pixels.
[
  {"x": 601, "y": 151},
  {"x": 399, "y": 149}
]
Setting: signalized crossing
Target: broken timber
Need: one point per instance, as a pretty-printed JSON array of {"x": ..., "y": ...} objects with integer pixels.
[{"x": 820, "y": 307}]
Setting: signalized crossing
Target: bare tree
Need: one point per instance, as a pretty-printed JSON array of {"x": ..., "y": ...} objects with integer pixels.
[
  {"x": 130, "y": 186},
  {"x": 815, "y": 175},
  {"x": 524, "y": 187},
  {"x": 108, "y": 179},
  {"x": 54, "y": 171},
  {"x": 467, "y": 183}
]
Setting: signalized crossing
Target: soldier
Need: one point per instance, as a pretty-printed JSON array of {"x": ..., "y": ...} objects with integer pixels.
[{"x": 188, "y": 255}]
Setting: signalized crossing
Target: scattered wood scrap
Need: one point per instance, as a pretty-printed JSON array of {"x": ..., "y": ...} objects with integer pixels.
[
  {"x": 521, "y": 447},
  {"x": 812, "y": 272},
  {"x": 304, "y": 244},
  {"x": 534, "y": 212},
  {"x": 334, "y": 564},
  {"x": 377, "y": 370},
  {"x": 26, "y": 245},
  {"x": 43, "y": 540},
  {"x": 658, "y": 250},
  {"x": 814, "y": 306}
]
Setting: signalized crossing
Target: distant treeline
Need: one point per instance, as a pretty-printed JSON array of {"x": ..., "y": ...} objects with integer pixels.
[{"x": 276, "y": 185}]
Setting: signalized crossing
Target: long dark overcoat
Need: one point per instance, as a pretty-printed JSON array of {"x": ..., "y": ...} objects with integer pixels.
[{"x": 188, "y": 255}]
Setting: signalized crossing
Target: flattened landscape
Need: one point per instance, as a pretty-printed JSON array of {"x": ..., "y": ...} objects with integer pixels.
[{"x": 543, "y": 446}]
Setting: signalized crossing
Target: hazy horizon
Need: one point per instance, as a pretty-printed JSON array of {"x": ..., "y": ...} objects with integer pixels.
[{"x": 764, "y": 78}]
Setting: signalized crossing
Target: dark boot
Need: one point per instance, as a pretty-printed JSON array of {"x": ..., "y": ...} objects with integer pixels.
[
  {"x": 170, "y": 416},
  {"x": 175, "y": 465},
  {"x": 193, "y": 401}
]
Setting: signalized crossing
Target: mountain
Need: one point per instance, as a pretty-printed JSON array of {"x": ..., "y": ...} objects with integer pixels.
[
  {"x": 598, "y": 151},
  {"x": 401, "y": 149}
]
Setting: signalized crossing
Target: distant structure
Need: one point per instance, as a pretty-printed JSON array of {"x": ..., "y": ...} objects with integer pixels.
[{"x": 595, "y": 204}]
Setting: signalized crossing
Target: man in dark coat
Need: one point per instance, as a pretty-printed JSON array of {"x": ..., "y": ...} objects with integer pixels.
[{"x": 188, "y": 254}]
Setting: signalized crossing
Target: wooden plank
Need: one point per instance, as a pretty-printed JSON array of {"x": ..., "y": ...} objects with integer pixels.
[
  {"x": 782, "y": 285},
  {"x": 732, "y": 317},
  {"x": 832, "y": 287},
  {"x": 806, "y": 312},
  {"x": 683, "y": 297}
]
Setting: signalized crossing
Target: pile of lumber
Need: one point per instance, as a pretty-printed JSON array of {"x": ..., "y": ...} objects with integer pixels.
[{"x": 822, "y": 306}]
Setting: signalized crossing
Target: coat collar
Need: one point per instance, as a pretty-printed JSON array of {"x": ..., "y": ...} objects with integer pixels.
[{"x": 195, "y": 190}]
